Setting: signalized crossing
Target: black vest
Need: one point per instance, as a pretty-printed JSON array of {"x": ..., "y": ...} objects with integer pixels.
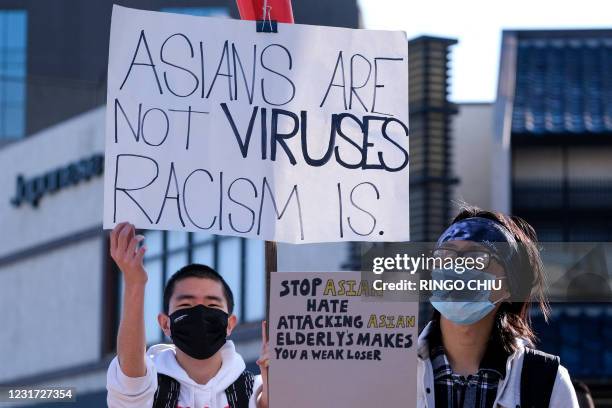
[
  {"x": 238, "y": 394},
  {"x": 538, "y": 378}
]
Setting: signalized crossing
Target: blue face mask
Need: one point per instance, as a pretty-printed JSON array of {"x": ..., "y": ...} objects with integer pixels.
[{"x": 450, "y": 304}]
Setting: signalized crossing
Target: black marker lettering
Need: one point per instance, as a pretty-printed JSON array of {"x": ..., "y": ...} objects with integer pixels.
[
  {"x": 164, "y": 60},
  {"x": 353, "y": 87},
  {"x": 365, "y": 211},
  {"x": 264, "y": 66},
  {"x": 229, "y": 194},
  {"x": 337, "y": 125},
  {"x": 279, "y": 138},
  {"x": 177, "y": 197},
  {"x": 202, "y": 70},
  {"x": 330, "y": 145},
  {"x": 339, "y": 63},
  {"x": 228, "y": 74},
  {"x": 243, "y": 145},
  {"x": 127, "y": 190},
  {"x": 366, "y": 144},
  {"x": 294, "y": 190},
  {"x": 404, "y": 152},
  {"x": 377, "y": 85},
  {"x": 144, "y": 119},
  {"x": 142, "y": 39},
  {"x": 185, "y": 199},
  {"x": 189, "y": 111},
  {"x": 136, "y": 132},
  {"x": 264, "y": 133},
  {"x": 237, "y": 61}
]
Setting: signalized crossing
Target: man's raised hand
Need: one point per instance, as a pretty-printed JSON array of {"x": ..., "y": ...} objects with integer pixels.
[{"x": 125, "y": 251}]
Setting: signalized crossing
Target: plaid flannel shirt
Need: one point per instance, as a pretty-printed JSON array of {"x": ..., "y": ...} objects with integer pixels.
[{"x": 474, "y": 391}]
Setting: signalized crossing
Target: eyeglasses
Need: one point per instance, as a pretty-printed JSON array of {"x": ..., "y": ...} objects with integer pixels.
[{"x": 482, "y": 256}]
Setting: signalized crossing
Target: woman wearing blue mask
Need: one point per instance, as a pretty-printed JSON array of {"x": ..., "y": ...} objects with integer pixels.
[{"x": 477, "y": 351}]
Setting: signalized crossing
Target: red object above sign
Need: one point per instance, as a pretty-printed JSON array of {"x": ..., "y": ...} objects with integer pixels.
[{"x": 280, "y": 10}]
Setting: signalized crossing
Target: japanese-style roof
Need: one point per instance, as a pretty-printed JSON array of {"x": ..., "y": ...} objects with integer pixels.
[{"x": 563, "y": 82}]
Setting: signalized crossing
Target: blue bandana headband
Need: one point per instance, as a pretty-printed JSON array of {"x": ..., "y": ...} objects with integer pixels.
[{"x": 492, "y": 235}]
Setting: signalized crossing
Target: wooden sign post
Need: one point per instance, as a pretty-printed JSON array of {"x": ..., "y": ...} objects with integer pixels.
[{"x": 272, "y": 11}]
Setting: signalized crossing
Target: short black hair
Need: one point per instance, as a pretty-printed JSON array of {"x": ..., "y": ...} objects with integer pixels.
[{"x": 197, "y": 271}]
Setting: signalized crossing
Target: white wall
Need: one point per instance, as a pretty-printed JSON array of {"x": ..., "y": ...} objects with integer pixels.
[
  {"x": 51, "y": 301},
  {"x": 472, "y": 130},
  {"x": 74, "y": 208},
  {"x": 51, "y": 311}
]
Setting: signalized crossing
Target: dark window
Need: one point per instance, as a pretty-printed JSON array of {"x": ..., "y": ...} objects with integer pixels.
[{"x": 586, "y": 356}]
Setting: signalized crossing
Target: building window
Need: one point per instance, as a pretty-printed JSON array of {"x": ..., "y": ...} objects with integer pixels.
[
  {"x": 13, "y": 41},
  {"x": 240, "y": 261},
  {"x": 199, "y": 11}
]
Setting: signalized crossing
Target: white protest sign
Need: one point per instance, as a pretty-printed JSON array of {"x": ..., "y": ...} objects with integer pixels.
[
  {"x": 330, "y": 347},
  {"x": 298, "y": 136}
]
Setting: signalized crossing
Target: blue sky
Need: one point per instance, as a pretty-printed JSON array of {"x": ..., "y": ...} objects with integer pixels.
[{"x": 478, "y": 24}]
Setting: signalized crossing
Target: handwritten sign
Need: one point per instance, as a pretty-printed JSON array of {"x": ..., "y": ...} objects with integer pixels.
[
  {"x": 299, "y": 136},
  {"x": 330, "y": 347}
]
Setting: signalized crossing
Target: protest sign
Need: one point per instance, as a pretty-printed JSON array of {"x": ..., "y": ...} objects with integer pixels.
[
  {"x": 332, "y": 345},
  {"x": 297, "y": 136}
]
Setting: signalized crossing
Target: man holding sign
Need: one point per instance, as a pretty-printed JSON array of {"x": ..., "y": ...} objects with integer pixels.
[
  {"x": 201, "y": 369},
  {"x": 300, "y": 136}
]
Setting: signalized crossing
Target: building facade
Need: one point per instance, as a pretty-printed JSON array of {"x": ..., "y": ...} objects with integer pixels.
[
  {"x": 561, "y": 175},
  {"x": 59, "y": 288},
  {"x": 552, "y": 149},
  {"x": 53, "y": 55}
]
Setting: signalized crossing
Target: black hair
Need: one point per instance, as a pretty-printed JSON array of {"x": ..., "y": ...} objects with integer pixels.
[
  {"x": 513, "y": 320},
  {"x": 197, "y": 271},
  {"x": 583, "y": 394},
  {"x": 581, "y": 387}
]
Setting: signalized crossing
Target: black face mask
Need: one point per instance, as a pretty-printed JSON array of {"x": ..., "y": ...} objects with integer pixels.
[{"x": 199, "y": 331}]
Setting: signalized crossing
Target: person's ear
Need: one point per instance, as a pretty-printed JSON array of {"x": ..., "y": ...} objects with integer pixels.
[
  {"x": 232, "y": 321},
  {"x": 164, "y": 323}
]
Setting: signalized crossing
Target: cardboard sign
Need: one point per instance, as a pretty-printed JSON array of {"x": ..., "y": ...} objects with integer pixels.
[
  {"x": 297, "y": 136},
  {"x": 333, "y": 345}
]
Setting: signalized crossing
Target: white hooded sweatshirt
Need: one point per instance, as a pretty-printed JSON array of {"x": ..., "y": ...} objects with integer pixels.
[{"x": 128, "y": 392}]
